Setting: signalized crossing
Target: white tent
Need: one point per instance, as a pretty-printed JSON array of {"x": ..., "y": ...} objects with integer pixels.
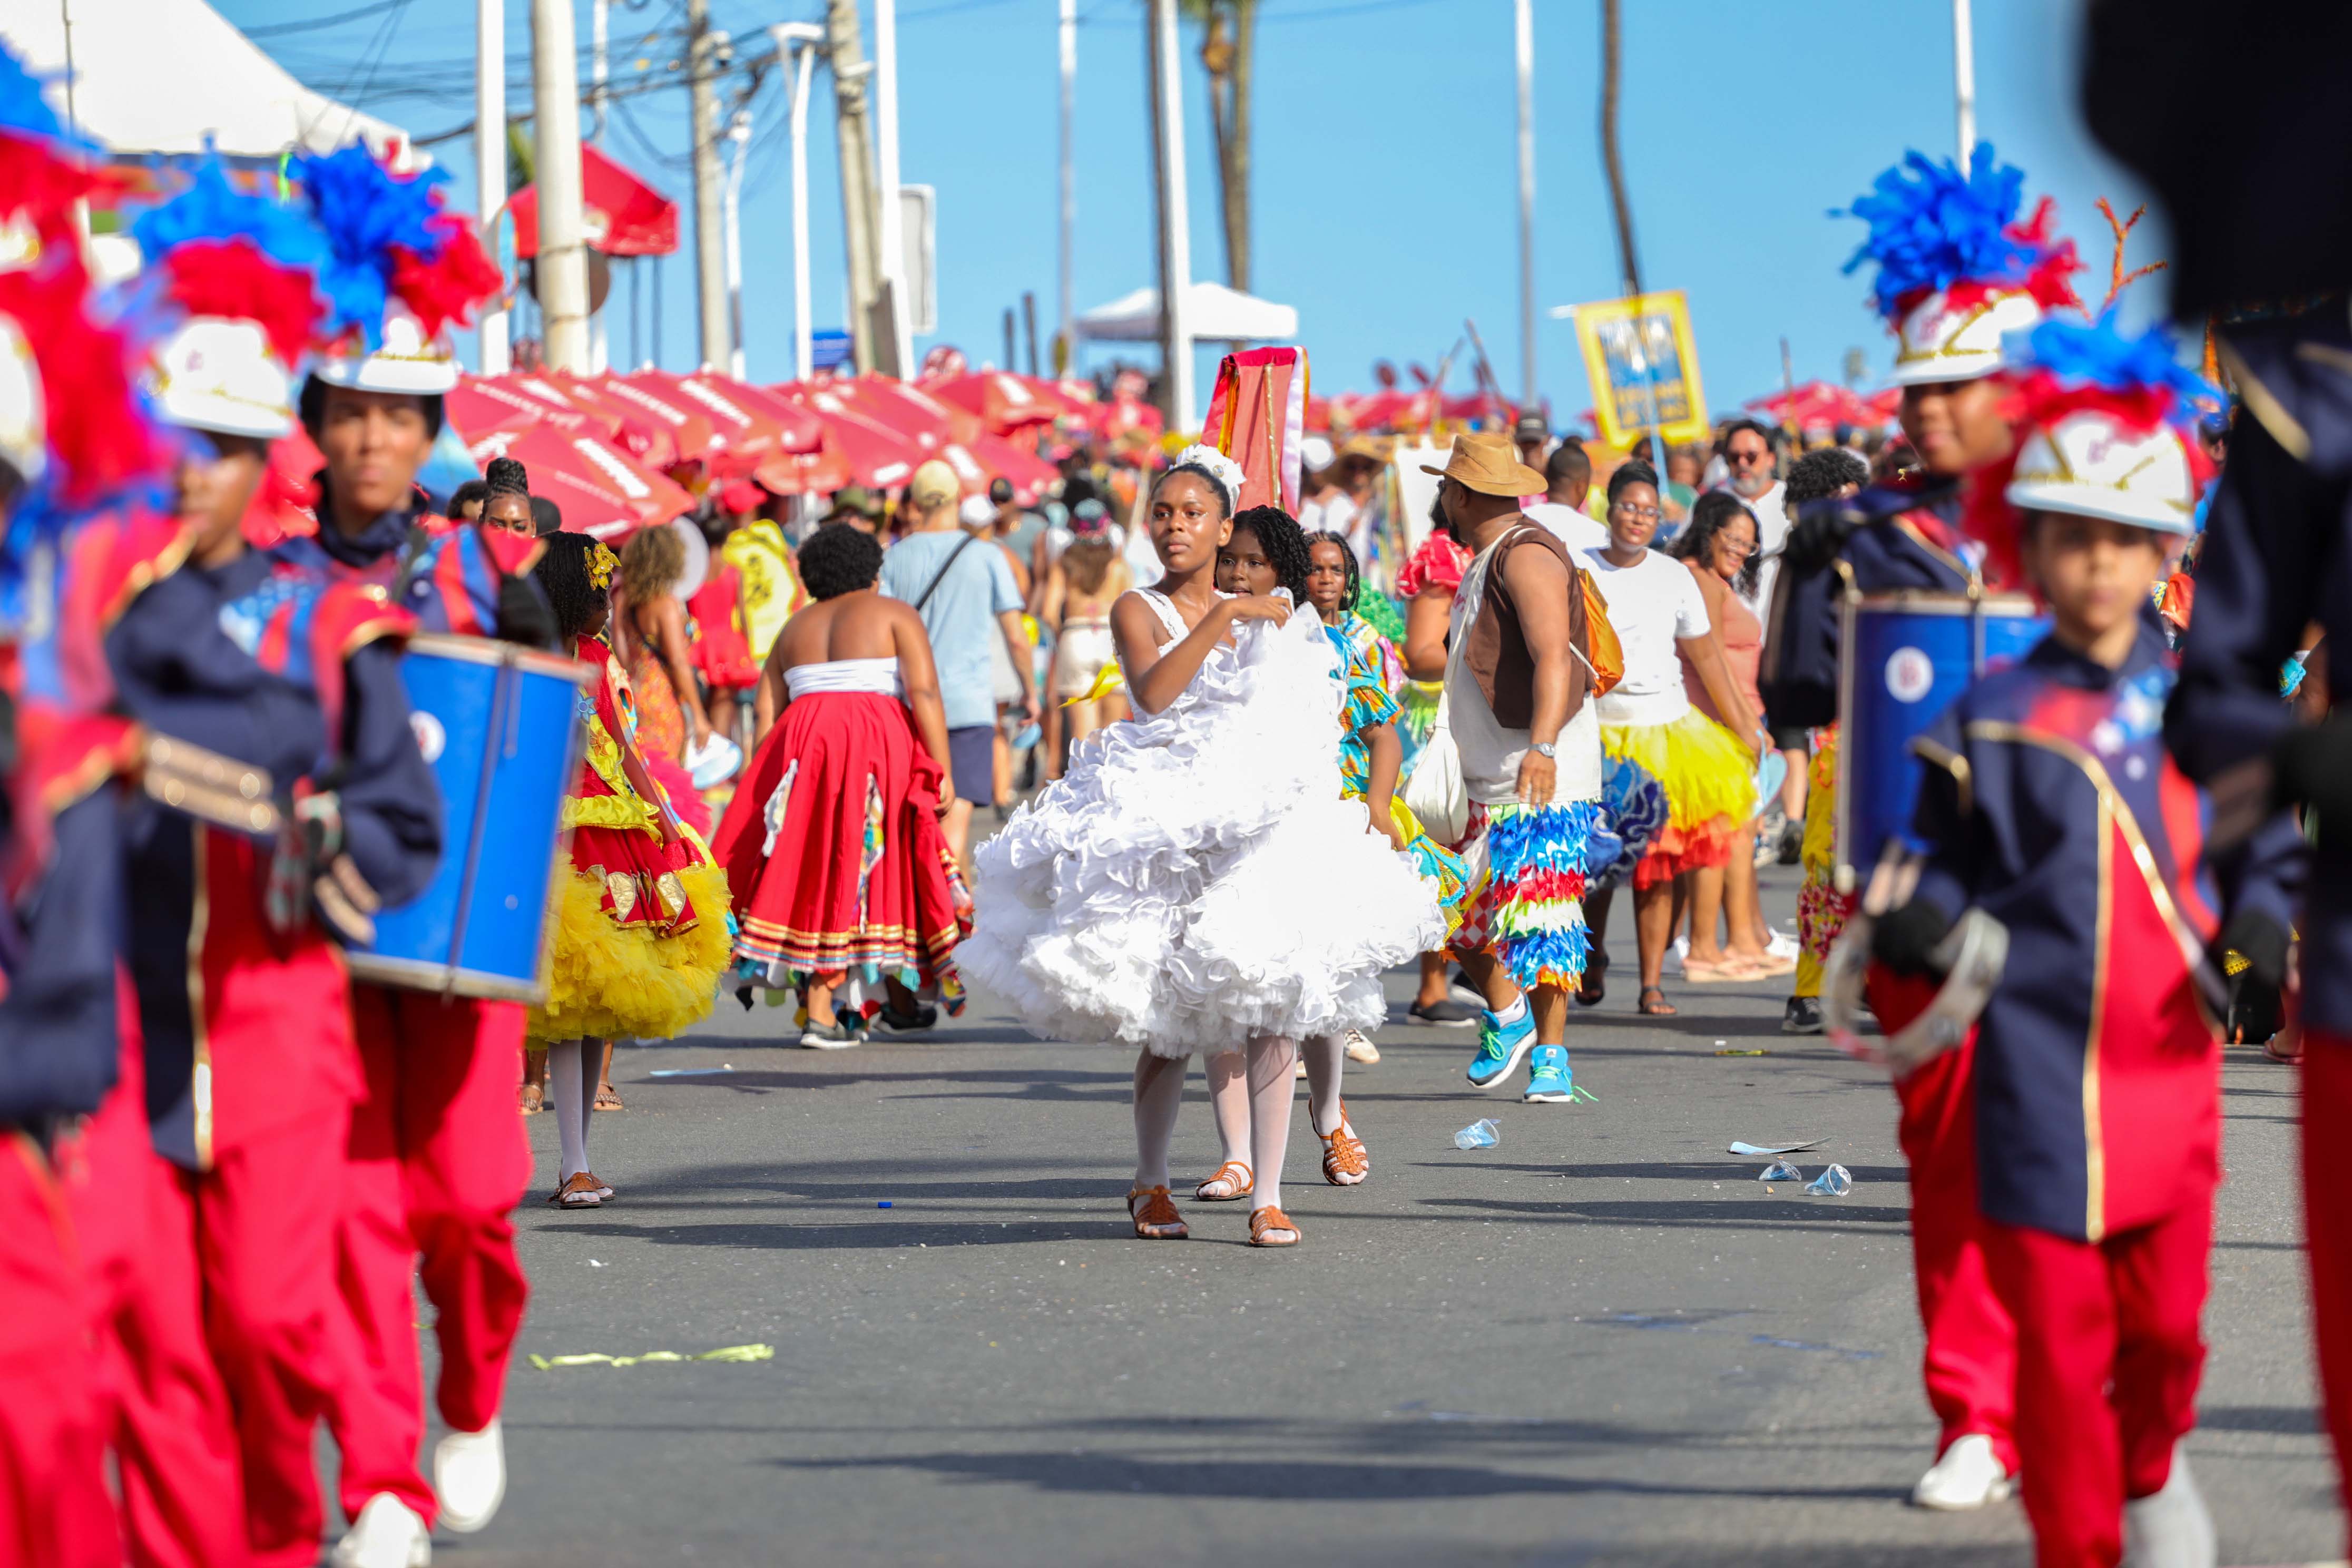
[
  {"x": 161, "y": 76},
  {"x": 1214, "y": 313}
]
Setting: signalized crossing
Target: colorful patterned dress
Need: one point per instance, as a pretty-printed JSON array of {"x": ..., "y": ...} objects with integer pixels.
[{"x": 1368, "y": 703}]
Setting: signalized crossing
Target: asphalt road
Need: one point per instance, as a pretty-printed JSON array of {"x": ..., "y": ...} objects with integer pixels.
[{"x": 1602, "y": 1342}]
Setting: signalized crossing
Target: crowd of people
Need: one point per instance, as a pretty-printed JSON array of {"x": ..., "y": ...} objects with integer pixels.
[{"x": 1268, "y": 754}]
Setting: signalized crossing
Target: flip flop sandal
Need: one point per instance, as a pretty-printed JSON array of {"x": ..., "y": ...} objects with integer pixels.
[
  {"x": 1593, "y": 986},
  {"x": 1269, "y": 1226},
  {"x": 1661, "y": 1008},
  {"x": 1236, "y": 1178}
]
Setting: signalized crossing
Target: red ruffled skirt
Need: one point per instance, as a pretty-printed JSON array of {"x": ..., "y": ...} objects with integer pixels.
[{"x": 833, "y": 849}]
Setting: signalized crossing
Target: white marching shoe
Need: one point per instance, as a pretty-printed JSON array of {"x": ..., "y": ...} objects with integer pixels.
[
  {"x": 2169, "y": 1527},
  {"x": 469, "y": 1477},
  {"x": 387, "y": 1535},
  {"x": 1966, "y": 1475}
]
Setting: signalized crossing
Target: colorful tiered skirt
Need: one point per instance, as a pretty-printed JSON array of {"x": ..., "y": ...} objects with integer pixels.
[
  {"x": 1710, "y": 782},
  {"x": 1529, "y": 910},
  {"x": 832, "y": 846}
]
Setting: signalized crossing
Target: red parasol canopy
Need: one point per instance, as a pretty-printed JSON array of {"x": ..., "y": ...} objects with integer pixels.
[
  {"x": 1884, "y": 406},
  {"x": 625, "y": 216},
  {"x": 865, "y": 450},
  {"x": 753, "y": 431},
  {"x": 1004, "y": 400},
  {"x": 600, "y": 489},
  {"x": 686, "y": 432},
  {"x": 1815, "y": 405}
]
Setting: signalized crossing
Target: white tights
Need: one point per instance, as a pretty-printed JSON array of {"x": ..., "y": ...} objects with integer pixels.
[
  {"x": 1249, "y": 1089},
  {"x": 1229, "y": 1097},
  {"x": 572, "y": 1068}
]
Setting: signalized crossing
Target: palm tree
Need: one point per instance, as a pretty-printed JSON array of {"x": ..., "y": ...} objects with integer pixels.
[{"x": 1228, "y": 43}]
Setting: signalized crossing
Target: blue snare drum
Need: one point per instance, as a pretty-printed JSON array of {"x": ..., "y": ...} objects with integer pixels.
[
  {"x": 500, "y": 724},
  {"x": 1904, "y": 657}
]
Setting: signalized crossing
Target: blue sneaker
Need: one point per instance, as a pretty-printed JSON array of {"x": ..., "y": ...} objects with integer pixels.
[
  {"x": 1500, "y": 1047},
  {"x": 1549, "y": 1080}
]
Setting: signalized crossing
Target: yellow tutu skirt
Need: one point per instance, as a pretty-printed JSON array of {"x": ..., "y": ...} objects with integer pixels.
[
  {"x": 609, "y": 980},
  {"x": 1709, "y": 780}
]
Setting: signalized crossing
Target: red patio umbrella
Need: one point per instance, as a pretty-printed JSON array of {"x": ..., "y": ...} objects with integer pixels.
[
  {"x": 925, "y": 419},
  {"x": 545, "y": 390},
  {"x": 866, "y": 451},
  {"x": 625, "y": 216},
  {"x": 600, "y": 489},
  {"x": 1815, "y": 404},
  {"x": 1004, "y": 400},
  {"x": 686, "y": 429}
]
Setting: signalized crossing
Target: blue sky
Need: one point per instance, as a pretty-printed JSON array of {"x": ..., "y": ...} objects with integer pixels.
[{"x": 1384, "y": 196}]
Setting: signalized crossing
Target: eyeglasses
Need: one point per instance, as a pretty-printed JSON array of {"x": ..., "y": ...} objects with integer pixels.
[
  {"x": 1736, "y": 456},
  {"x": 1639, "y": 513}
]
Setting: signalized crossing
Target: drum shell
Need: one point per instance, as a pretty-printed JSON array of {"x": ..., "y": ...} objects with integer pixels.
[
  {"x": 499, "y": 727},
  {"x": 1903, "y": 658}
]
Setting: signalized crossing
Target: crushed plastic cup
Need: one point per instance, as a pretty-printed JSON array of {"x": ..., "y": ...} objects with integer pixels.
[
  {"x": 1834, "y": 1182},
  {"x": 1480, "y": 1134},
  {"x": 1782, "y": 1171}
]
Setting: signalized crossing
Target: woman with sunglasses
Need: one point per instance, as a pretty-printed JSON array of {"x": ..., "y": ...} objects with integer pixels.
[{"x": 1649, "y": 727}]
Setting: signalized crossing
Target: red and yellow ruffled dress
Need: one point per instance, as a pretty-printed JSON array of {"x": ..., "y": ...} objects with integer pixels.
[{"x": 641, "y": 935}]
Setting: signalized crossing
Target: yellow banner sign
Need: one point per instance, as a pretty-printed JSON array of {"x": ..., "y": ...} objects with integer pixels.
[{"x": 1645, "y": 368}]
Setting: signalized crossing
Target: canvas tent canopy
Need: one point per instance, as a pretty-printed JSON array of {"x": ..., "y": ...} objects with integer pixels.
[
  {"x": 1213, "y": 314},
  {"x": 166, "y": 76}
]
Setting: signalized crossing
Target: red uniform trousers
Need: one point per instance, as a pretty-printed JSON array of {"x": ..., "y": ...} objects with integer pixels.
[
  {"x": 2108, "y": 1361},
  {"x": 2328, "y": 1225},
  {"x": 54, "y": 1506},
  {"x": 436, "y": 1163},
  {"x": 1970, "y": 1366},
  {"x": 162, "y": 1402}
]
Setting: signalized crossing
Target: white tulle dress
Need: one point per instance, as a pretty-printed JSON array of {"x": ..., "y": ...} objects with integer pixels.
[{"x": 1195, "y": 877}]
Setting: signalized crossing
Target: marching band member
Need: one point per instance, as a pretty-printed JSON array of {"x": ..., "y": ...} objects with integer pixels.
[
  {"x": 437, "y": 1158},
  {"x": 1956, "y": 270},
  {"x": 251, "y": 1065},
  {"x": 2049, "y": 804}
]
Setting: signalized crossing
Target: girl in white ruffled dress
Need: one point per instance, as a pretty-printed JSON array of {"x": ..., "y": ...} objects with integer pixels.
[{"x": 1193, "y": 881}]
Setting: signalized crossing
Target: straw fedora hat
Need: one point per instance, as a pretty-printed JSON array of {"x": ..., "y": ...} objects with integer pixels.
[{"x": 1489, "y": 464}]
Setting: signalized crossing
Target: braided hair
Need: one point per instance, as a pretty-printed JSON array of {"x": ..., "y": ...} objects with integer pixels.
[
  {"x": 1355, "y": 574},
  {"x": 563, "y": 573},
  {"x": 505, "y": 477},
  {"x": 1279, "y": 534}
]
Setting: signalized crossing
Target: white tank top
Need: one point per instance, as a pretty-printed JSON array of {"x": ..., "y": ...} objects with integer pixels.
[{"x": 875, "y": 675}]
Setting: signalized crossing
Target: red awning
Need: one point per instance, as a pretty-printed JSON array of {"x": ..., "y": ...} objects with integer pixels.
[
  {"x": 599, "y": 489},
  {"x": 625, "y": 216}
]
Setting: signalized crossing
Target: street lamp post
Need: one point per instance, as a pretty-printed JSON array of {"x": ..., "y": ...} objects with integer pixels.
[{"x": 802, "y": 39}]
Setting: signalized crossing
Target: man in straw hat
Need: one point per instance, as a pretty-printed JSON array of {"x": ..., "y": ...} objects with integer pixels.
[{"x": 1516, "y": 677}]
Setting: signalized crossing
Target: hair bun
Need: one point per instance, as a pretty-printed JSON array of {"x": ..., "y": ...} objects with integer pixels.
[{"x": 506, "y": 476}]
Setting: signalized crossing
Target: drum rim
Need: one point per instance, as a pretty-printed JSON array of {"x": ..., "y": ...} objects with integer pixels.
[
  {"x": 423, "y": 975},
  {"x": 1936, "y": 602},
  {"x": 491, "y": 651}
]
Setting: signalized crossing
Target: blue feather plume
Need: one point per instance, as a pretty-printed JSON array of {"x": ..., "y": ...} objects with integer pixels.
[
  {"x": 364, "y": 211},
  {"x": 2100, "y": 353},
  {"x": 212, "y": 208},
  {"x": 1931, "y": 227},
  {"x": 25, "y": 105}
]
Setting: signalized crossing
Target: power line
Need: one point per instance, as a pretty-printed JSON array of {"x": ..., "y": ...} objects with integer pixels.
[{"x": 278, "y": 29}]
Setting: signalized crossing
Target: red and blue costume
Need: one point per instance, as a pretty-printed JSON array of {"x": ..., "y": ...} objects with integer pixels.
[
  {"x": 2048, "y": 802},
  {"x": 437, "y": 1158}
]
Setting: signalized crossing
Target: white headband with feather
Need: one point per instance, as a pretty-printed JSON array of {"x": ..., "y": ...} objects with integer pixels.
[{"x": 1225, "y": 471}]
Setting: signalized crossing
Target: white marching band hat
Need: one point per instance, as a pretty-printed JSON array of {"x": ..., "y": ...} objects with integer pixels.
[
  {"x": 219, "y": 374},
  {"x": 405, "y": 360},
  {"x": 1935, "y": 341},
  {"x": 24, "y": 425},
  {"x": 2087, "y": 464}
]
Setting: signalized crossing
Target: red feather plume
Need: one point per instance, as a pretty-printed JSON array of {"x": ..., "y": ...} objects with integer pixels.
[
  {"x": 37, "y": 183},
  {"x": 100, "y": 439},
  {"x": 443, "y": 291},
  {"x": 235, "y": 279}
]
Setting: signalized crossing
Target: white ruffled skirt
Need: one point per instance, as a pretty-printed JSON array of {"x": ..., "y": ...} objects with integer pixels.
[{"x": 1195, "y": 879}]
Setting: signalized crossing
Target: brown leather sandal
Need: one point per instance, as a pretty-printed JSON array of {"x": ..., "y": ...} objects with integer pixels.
[
  {"x": 1236, "y": 1178},
  {"x": 1346, "y": 1161},
  {"x": 1156, "y": 1219},
  {"x": 1269, "y": 1226},
  {"x": 1661, "y": 1008}
]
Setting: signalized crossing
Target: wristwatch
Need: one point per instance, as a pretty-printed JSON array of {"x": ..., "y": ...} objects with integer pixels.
[{"x": 1545, "y": 750}]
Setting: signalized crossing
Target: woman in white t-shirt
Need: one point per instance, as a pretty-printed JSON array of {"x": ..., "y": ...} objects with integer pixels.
[{"x": 1647, "y": 722}]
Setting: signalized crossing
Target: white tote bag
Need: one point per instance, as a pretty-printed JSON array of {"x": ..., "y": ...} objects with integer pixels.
[{"x": 1436, "y": 793}]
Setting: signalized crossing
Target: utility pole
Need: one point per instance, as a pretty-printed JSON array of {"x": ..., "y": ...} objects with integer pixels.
[
  {"x": 890, "y": 232},
  {"x": 1964, "y": 78},
  {"x": 490, "y": 156},
  {"x": 1069, "y": 317},
  {"x": 796, "y": 47},
  {"x": 710, "y": 237},
  {"x": 562, "y": 237},
  {"x": 1029, "y": 326},
  {"x": 846, "y": 50},
  {"x": 1175, "y": 234},
  {"x": 740, "y": 135},
  {"x": 1526, "y": 61},
  {"x": 600, "y": 39}
]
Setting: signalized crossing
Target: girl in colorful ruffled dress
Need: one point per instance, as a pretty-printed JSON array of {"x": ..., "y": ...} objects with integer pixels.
[
  {"x": 1267, "y": 551},
  {"x": 1194, "y": 880},
  {"x": 1649, "y": 728},
  {"x": 845, "y": 890},
  {"x": 641, "y": 923}
]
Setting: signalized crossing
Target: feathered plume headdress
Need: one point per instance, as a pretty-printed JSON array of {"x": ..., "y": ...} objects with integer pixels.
[
  {"x": 1934, "y": 229},
  {"x": 246, "y": 257},
  {"x": 389, "y": 241},
  {"x": 44, "y": 170},
  {"x": 2085, "y": 398}
]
